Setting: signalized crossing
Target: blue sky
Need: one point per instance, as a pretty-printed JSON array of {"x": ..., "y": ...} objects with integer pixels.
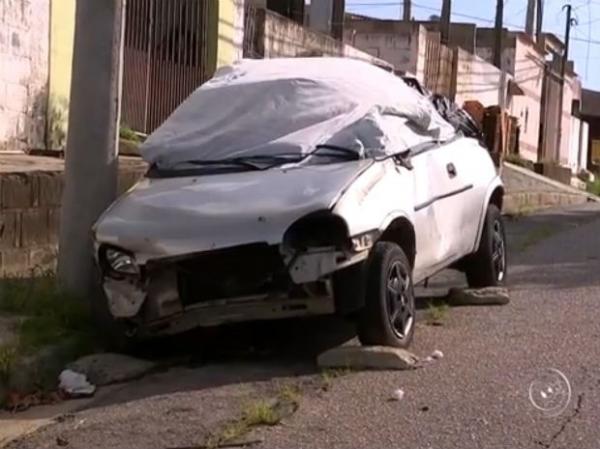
[{"x": 586, "y": 56}]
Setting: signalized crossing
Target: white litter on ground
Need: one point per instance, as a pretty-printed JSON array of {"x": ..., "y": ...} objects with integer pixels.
[
  {"x": 75, "y": 384},
  {"x": 437, "y": 354},
  {"x": 397, "y": 395}
]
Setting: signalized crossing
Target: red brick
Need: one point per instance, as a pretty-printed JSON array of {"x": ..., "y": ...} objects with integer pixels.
[
  {"x": 34, "y": 227},
  {"x": 10, "y": 227}
]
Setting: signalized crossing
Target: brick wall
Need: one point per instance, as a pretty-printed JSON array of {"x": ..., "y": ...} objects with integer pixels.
[
  {"x": 29, "y": 219},
  {"x": 24, "y": 43}
]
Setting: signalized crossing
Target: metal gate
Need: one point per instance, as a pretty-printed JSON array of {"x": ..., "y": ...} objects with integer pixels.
[{"x": 165, "y": 58}]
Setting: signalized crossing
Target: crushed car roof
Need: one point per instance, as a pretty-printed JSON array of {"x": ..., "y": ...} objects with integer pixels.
[{"x": 288, "y": 106}]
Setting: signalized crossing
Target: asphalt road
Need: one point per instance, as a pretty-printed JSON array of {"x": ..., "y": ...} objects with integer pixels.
[{"x": 477, "y": 395}]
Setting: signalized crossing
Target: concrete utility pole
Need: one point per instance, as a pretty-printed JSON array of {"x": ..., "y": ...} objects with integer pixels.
[
  {"x": 498, "y": 36},
  {"x": 563, "y": 73},
  {"x": 91, "y": 155},
  {"x": 445, "y": 21},
  {"x": 539, "y": 23},
  {"x": 530, "y": 18},
  {"x": 407, "y": 10}
]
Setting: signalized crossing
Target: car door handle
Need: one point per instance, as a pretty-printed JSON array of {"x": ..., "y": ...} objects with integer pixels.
[{"x": 451, "y": 169}]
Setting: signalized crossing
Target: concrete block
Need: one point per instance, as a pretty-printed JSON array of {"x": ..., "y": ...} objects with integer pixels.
[
  {"x": 10, "y": 226},
  {"x": 109, "y": 368},
  {"x": 53, "y": 224},
  {"x": 14, "y": 262},
  {"x": 47, "y": 189},
  {"x": 15, "y": 191},
  {"x": 34, "y": 227},
  {"x": 43, "y": 259},
  {"x": 368, "y": 357}
]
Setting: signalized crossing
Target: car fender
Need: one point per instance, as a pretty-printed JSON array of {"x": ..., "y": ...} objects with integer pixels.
[
  {"x": 376, "y": 198},
  {"x": 496, "y": 182}
]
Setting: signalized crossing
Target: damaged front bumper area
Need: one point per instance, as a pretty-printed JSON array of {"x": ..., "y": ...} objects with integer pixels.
[{"x": 245, "y": 283}]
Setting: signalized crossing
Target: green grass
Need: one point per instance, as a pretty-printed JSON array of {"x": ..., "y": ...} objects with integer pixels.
[
  {"x": 594, "y": 187},
  {"x": 515, "y": 159},
  {"x": 49, "y": 316},
  {"x": 536, "y": 236},
  {"x": 258, "y": 413},
  {"x": 329, "y": 375},
  {"x": 290, "y": 394},
  {"x": 126, "y": 133},
  {"x": 436, "y": 313}
]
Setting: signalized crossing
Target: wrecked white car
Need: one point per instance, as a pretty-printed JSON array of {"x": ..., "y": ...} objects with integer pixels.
[{"x": 294, "y": 187}]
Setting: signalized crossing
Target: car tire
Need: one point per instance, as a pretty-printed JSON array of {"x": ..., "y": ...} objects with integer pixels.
[
  {"x": 488, "y": 266},
  {"x": 388, "y": 316}
]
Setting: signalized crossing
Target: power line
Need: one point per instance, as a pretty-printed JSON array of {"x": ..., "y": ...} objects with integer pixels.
[{"x": 468, "y": 16}]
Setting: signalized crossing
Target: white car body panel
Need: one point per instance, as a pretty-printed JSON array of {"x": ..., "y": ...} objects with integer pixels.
[{"x": 177, "y": 216}]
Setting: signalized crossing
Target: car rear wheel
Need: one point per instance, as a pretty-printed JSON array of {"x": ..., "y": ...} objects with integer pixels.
[
  {"x": 388, "y": 317},
  {"x": 488, "y": 267}
]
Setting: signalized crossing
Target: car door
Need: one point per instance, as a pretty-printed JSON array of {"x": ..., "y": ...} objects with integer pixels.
[
  {"x": 458, "y": 202},
  {"x": 426, "y": 221}
]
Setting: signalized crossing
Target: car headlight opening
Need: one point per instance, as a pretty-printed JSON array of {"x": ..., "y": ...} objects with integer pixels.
[{"x": 121, "y": 262}]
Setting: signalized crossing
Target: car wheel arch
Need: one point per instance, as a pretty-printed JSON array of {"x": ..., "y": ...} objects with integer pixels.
[
  {"x": 402, "y": 232},
  {"x": 497, "y": 197}
]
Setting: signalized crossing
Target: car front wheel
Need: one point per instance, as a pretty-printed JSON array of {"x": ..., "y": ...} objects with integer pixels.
[
  {"x": 388, "y": 317},
  {"x": 488, "y": 267}
]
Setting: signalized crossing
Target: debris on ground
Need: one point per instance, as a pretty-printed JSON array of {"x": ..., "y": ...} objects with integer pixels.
[
  {"x": 368, "y": 357},
  {"x": 435, "y": 355},
  {"x": 17, "y": 402},
  {"x": 75, "y": 385},
  {"x": 489, "y": 296},
  {"x": 110, "y": 368},
  {"x": 397, "y": 395},
  {"x": 60, "y": 441}
]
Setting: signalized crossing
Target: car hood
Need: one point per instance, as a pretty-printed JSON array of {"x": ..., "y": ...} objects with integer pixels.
[{"x": 177, "y": 216}]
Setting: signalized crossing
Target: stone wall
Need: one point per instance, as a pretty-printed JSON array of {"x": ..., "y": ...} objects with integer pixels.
[
  {"x": 476, "y": 79},
  {"x": 29, "y": 219},
  {"x": 24, "y": 42},
  {"x": 275, "y": 36}
]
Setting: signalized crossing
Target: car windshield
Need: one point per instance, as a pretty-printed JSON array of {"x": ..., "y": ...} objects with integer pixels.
[{"x": 320, "y": 155}]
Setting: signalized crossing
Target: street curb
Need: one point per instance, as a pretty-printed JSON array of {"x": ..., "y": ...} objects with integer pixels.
[
  {"x": 523, "y": 202},
  {"x": 552, "y": 182}
]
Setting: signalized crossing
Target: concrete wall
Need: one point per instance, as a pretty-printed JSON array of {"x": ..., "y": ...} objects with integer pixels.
[
  {"x": 277, "y": 37},
  {"x": 529, "y": 76},
  {"x": 29, "y": 219},
  {"x": 572, "y": 92},
  {"x": 476, "y": 80},
  {"x": 399, "y": 43},
  {"x": 578, "y": 145},
  {"x": 230, "y": 32},
  {"x": 62, "y": 30},
  {"x": 24, "y": 30}
]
